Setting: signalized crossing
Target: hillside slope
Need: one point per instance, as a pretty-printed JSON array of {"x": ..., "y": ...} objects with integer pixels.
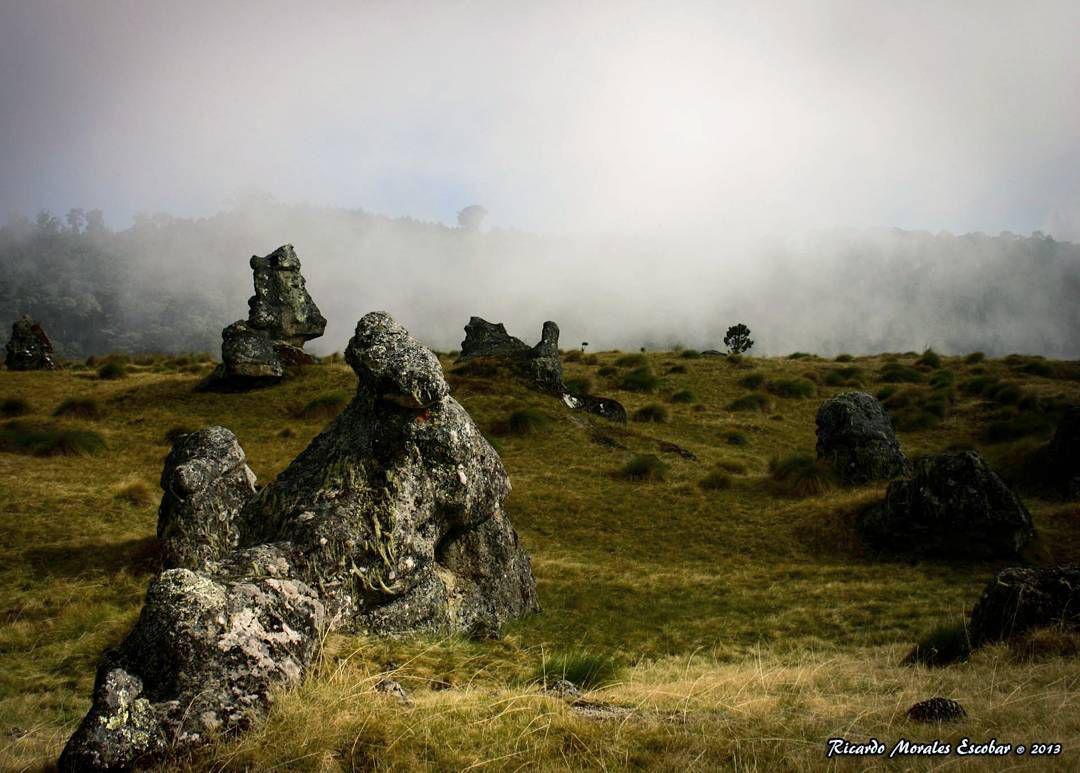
[{"x": 739, "y": 625}]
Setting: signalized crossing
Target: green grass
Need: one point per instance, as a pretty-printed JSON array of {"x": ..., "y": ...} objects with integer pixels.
[
  {"x": 716, "y": 480},
  {"x": 632, "y": 361},
  {"x": 898, "y": 373},
  {"x": 527, "y": 421},
  {"x": 944, "y": 645},
  {"x": 752, "y": 381},
  {"x": 112, "y": 370},
  {"x": 79, "y": 407},
  {"x": 750, "y": 402},
  {"x": 585, "y": 669},
  {"x": 800, "y": 474},
  {"x": 751, "y": 624},
  {"x": 645, "y": 467},
  {"x": 48, "y": 440},
  {"x": 581, "y": 385},
  {"x": 325, "y": 406},
  {"x": 791, "y": 388}
]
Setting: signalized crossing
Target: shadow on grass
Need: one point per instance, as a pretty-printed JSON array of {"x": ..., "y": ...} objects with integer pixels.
[{"x": 135, "y": 556}]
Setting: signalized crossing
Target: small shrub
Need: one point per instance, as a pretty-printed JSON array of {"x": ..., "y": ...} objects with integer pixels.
[
  {"x": 850, "y": 376},
  {"x": 325, "y": 406},
  {"x": 799, "y": 355},
  {"x": 942, "y": 379},
  {"x": 683, "y": 396},
  {"x": 645, "y": 467},
  {"x": 898, "y": 373},
  {"x": 844, "y": 358},
  {"x": 80, "y": 407},
  {"x": 791, "y": 387},
  {"x": 49, "y": 440},
  {"x": 657, "y": 414},
  {"x": 585, "y": 670},
  {"x": 287, "y": 432},
  {"x": 974, "y": 358},
  {"x": 174, "y": 434},
  {"x": 1004, "y": 393},
  {"x": 736, "y": 439},
  {"x": 886, "y": 392},
  {"x": 716, "y": 481},
  {"x": 752, "y": 380},
  {"x": 639, "y": 380},
  {"x": 1037, "y": 368},
  {"x": 978, "y": 385},
  {"x": 112, "y": 370},
  {"x": 582, "y": 385},
  {"x": 677, "y": 369},
  {"x": 135, "y": 492},
  {"x": 527, "y": 421},
  {"x": 14, "y": 406},
  {"x": 1016, "y": 427},
  {"x": 632, "y": 361},
  {"x": 801, "y": 475},
  {"x": 930, "y": 360},
  {"x": 590, "y": 359},
  {"x": 690, "y": 354},
  {"x": 947, "y": 643},
  {"x": 750, "y": 402},
  {"x": 607, "y": 370}
]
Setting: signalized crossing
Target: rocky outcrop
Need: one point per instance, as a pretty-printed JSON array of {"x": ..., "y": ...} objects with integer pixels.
[
  {"x": 281, "y": 318},
  {"x": 936, "y": 710},
  {"x": 540, "y": 366},
  {"x": 1064, "y": 454},
  {"x": 1020, "y": 599},
  {"x": 952, "y": 505},
  {"x": 29, "y": 348},
  {"x": 391, "y": 521},
  {"x": 855, "y": 436}
]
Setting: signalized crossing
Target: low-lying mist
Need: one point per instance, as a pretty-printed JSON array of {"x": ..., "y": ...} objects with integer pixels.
[{"x": 172, "y": 284}]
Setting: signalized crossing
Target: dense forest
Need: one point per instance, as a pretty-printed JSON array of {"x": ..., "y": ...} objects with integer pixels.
[{"x": 170, "y": 284}]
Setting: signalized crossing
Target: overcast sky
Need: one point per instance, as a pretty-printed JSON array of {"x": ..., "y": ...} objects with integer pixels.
[{"x": 673, "y": 117}]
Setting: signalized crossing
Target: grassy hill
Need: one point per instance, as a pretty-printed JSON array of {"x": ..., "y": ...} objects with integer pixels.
[{"x": 723, "y": 616}]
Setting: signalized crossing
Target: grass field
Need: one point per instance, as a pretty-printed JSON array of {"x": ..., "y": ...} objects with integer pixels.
[{"x": 738, "y": 624}]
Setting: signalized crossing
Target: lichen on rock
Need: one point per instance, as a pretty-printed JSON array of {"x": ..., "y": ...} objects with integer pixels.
[
  {"x": 391, "y": 521},
  {"x": 855, "y": 436}
]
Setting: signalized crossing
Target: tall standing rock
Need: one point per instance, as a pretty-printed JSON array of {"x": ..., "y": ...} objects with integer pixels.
[
  {"x": 282, "y": 317},
  {"x": 855, "y": 436},
  {"x": 391, "y": 521},
  {"x": 952, "y": 505},
  {"x": 29, "y": 348}
]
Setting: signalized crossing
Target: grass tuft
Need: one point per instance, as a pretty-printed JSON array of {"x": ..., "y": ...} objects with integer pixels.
[
  {"x": 527, "y": 421},
  {"x": 639, "y": 380},
  {"x": 135, "y": 492},
  {"x": 683, "y": 396},
  {"x": 716, "y": 480},
  {"x": 79, "y": 407},
  {"x": 645, "y": 467},
  {"x": 800, "y": 475},
  {"x": 14, "y": 406},
  {"x": 945, "y": 644},
  {"x": 49, "y": 440},
  {"x": 585, "y": 669},
  {"x": 791, "y": 387},
  {"x": 653, "y": 413},
  {"x": 112, "y": 370},
  {"x": 325, "y": 406}
]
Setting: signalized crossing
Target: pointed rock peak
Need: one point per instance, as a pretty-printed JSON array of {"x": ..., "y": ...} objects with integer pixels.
[
  {"x": 548, "y": 345},
  {"x": 392, "y": 364},
  {"x": 282, "y": 259}
]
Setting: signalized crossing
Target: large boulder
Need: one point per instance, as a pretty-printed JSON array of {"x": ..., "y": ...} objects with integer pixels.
[
  {"x": 953, "y": 504},
  {"x": 390, "y": 522},
  {"x": 258, "y": 352},
  {"x": 29, "y": 348},
  {"x": 1019, "y": 599},
  {"x": 1064, "y": 454},
  {"x": 855, "y": 436},
  {"x": 539, "y": 366}
]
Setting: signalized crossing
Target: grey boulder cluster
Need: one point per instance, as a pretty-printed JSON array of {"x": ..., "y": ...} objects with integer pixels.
[
  {"x": 391, "y": 521},
  {"x": 540, "y": 366},
  {"x": 282, "y": 316},
  {"x": 29, "y": 348},
  {"x": 949, "y": 504}
]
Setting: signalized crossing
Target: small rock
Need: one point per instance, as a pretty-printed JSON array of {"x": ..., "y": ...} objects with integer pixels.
[
  {"x": 29, "y": 348},
  {"x": 936, "y": 710},
  {"x": 855, "y": 436},
  {"x": 394, "y": 689},
  {"x": 563, "y": 688}
]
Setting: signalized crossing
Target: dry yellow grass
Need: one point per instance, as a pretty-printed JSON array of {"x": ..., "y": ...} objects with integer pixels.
[{"x": 751, "y": 627}]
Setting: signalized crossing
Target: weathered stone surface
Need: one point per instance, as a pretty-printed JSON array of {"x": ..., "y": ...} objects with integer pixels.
[
  {"x": 202, "y": 657},
  {"x": 854, "y": 436},
  {"x": 540, "y": 366},
  {"x": 487, "y": 339},
  {"x": 281, "y": 305},
  {"x": 1064, "y": 454},
  {"x": 1019, "y": 599},
  {"x": 29, "y": 348},
  {"x": 206, "y": 481},
  {"x": 391, "y": 521},
  {"x": 936, "y": 710},
  {"x": 953, "y": 504},
  {"x": 282, "y": 316}
]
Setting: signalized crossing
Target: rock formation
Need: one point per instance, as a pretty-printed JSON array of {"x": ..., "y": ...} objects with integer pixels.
[
  {"x": 953, "y": 504},
  {"x": 391, "y": 521},
  {"x": 29, "y": 348},
  {"x": 1019, "y": 599},
  {"x": 854, "y": 436},
  {"x": 540, "y": 366},
  {"x": 281, "y": 317},
  {"x": 1064, "y": 454}
]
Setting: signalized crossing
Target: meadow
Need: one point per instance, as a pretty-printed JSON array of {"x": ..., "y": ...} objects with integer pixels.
[{"x": 721, "y": 612}]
